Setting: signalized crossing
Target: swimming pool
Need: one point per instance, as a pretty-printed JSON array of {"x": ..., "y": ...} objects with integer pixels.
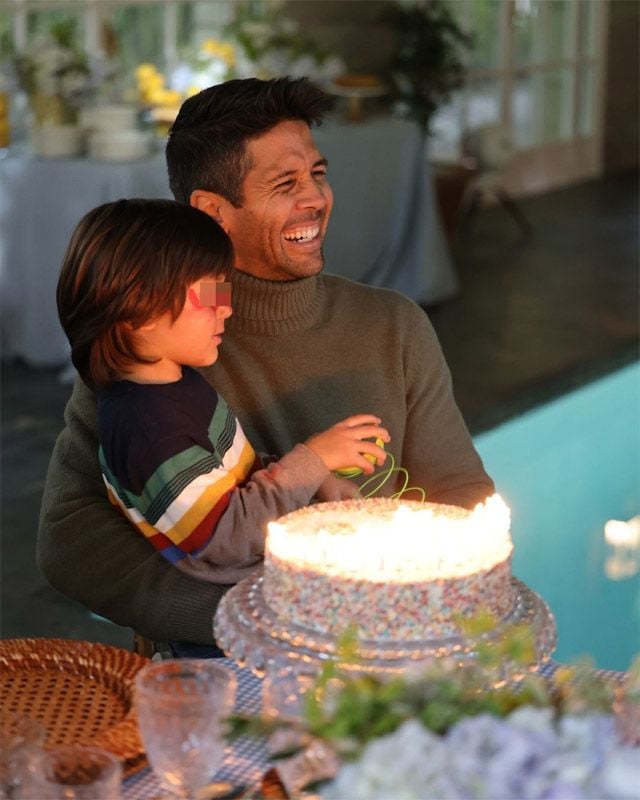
[{"x": 565, "y": 469}]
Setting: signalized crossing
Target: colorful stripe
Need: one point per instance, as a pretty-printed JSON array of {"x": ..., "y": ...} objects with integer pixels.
[{"x": 185, "y": 496}]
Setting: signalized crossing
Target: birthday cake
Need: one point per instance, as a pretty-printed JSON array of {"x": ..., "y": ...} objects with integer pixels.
[{"x": 397, "y": 570}]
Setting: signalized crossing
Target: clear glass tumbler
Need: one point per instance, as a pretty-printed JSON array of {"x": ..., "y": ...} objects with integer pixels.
[
  {"x": 181, "y": 706},
  {"x": 21, "y": 743},
  {"x": 73, "y": 772}
]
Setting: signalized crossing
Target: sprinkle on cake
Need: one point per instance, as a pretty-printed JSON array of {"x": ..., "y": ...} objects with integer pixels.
[{"x": 398, "y": 570}]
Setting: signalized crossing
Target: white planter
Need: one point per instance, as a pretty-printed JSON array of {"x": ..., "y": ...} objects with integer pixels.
[
  {"x": 50, "y": 140},
  {"x": 125, "y": 145},
  {"x": 109, "y": 117}
]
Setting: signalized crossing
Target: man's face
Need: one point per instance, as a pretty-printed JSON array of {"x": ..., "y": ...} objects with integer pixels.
[{"x": 279, "y": 230}]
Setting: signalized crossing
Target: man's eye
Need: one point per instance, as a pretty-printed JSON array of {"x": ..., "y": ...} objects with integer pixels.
[
  {"x": 285, "y": 184},
  {"x": 320, "y": 174}
]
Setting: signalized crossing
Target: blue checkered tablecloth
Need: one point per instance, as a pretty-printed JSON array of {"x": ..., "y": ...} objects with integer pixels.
[{"x": 245, "y": 760}]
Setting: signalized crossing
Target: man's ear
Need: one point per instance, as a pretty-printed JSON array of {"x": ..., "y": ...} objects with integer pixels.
[{"x": 211, "y": 203}]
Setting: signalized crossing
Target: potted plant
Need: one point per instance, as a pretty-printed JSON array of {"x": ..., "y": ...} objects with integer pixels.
[
  {"x": 426, "y": 66},
  {"x": 55, "y": 74},
  {"x": 427, "y": 62}
]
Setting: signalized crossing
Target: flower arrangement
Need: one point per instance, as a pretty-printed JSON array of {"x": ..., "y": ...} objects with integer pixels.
[
  {"x": 527, "y": 754},
  {"x": 152, "y": 88},
  {"x": 269, "y": 44},
  {"x": 260, "y": 41},
  {"x": 458, "y": 730},
  {"x": 158, "y": 100},
  {"x": 212, "y": 62},
  {"x": 56, "y": 74}
]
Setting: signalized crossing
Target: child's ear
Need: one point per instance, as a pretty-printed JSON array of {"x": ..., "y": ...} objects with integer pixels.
[
  {"x": 211, "y": 203},
  {"x": 148, "y": 326}
]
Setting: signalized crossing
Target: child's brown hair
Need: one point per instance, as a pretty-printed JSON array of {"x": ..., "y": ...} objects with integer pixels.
[{"x": 128, "y": 263}]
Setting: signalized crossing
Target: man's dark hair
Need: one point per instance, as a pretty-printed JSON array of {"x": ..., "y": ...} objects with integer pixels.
[
  {"x": 128, "y": 263},
  {"x": 207, "y": 142}
]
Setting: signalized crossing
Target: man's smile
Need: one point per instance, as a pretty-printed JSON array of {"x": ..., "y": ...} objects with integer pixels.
[{"x": 305, "y": 234}]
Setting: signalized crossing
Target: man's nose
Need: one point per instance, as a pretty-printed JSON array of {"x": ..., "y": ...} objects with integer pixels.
[
  {"x": 313, "y": 194},
  {"x": 224, "y": 311}
]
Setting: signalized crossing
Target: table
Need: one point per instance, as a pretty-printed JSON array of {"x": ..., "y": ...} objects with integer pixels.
[
  {"x": 247, "y": 759},
  {"x": 41, "y": 201},
  {"x": 384, "y": 231}
]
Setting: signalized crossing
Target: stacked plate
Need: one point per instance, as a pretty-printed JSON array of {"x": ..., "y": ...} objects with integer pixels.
[{"x": 113, "y": 133}]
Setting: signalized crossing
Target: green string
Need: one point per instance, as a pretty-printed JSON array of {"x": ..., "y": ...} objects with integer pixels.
[{"x": 384, "y": 476}]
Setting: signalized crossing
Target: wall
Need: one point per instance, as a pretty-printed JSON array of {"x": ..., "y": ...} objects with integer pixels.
[
  {"x": 621, "y": 139},
  {"x": 356, "y": 30}
]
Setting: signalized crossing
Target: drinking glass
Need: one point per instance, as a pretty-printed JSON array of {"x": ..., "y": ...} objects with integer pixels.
[
  {"x": 73, "y": 772},
  {"x": 182, "y": 705},
  {"x": 21, "y": 743},
  {"x": 284, "y": 687}
]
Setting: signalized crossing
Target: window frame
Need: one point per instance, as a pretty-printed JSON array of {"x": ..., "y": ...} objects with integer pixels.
[{"x": 557, "y": 161}]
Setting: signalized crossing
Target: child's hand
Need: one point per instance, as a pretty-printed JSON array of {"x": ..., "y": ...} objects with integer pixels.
[
  {"x": 333, "y": 488},
  {"x": 345, "y": 443}
]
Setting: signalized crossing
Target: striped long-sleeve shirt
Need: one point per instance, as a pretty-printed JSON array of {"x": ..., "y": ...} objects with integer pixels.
[{"x": 176, "y": 461}]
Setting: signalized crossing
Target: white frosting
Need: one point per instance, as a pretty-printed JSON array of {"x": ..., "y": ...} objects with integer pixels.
[{"x": 389, "y": 541}]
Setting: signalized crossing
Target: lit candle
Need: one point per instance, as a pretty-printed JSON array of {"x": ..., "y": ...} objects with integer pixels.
[
  {"x": 624, "y": 537},
  {"x": 409, "y": 543}
]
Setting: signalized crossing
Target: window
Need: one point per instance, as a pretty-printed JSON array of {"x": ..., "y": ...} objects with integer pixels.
[
  {"x": 536, "y": 66},
  {"x": 147, "y": 30}
]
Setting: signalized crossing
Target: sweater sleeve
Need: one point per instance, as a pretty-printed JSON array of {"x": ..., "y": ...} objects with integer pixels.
[
  {"x": 88, "y": 551},
  {"x": 437, "y": 450},
  {"x": 217, "y": 516}
]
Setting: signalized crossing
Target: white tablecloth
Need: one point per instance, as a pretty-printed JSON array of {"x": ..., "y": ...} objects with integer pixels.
[
  {"x": 384, "y": 230},
  {"x": 41, "y": 202}
]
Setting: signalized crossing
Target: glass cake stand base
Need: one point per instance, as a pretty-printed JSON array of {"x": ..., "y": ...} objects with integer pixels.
[{"x": 250, "y": 633}]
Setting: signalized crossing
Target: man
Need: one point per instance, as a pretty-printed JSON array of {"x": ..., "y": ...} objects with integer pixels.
[{"x": 302, "y": 351}]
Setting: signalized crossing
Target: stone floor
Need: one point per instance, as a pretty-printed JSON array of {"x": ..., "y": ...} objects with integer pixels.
[{"x": 535, "y": 317}]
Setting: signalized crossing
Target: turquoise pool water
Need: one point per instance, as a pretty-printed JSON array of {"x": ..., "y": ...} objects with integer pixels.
[{"x": 565, "y": 469}]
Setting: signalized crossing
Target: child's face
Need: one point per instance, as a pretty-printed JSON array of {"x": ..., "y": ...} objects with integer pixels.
[{"x": 194, "y": 336}]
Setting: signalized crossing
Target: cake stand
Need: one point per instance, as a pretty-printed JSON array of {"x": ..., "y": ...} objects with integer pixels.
[{"x": 250, "y": 633}]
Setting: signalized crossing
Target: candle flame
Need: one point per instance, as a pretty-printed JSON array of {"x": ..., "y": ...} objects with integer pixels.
[
  {"x": 623, "y": 534},
  {"x": 404, "y": 543}
]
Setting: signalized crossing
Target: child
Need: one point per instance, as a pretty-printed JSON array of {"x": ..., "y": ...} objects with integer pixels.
[{"x": 143, "y": 301}]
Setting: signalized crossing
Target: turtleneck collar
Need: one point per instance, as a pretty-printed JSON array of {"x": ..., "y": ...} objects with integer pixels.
[{"x": 274, "y": 307}]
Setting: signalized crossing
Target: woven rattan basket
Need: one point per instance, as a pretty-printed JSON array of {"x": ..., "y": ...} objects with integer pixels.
[{"x": 82, "y": 693}]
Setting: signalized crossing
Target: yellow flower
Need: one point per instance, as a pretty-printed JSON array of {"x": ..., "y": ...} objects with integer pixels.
[
  {"x": 171, "y": 97},
  {"x": 150, "y": 83},
  {"x": 144, "y": 71},
  {"x": 217, "y": 49},
  {"x": 164, "y": 97}
]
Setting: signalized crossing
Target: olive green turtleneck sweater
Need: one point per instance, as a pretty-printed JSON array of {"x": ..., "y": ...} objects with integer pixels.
[{"x": 297, "y": 357}]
